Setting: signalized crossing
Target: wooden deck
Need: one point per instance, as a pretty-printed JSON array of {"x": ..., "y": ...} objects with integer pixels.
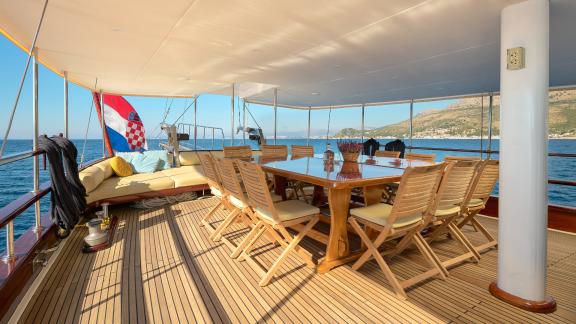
[{"x": 163, "y": 268}]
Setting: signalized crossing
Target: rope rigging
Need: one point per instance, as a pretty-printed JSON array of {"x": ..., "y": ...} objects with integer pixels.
[{"x": 88, "y": 126}]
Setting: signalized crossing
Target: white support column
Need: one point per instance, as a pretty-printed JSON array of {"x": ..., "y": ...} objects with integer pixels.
[
  {"x": 523, "y": 153},
  {"x": 308, "y": 131}
]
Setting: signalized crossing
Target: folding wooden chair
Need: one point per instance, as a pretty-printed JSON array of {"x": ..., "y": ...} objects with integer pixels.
[
  {"x": 274, "y": 217},
  {"x": 274, "y": 151},
  {"x": 483, "y": 185},
  {"x": 215, "y": 184},
  {"x": 420, "y": 157},
  {"x": 239, "y": 203},
  {"x": 403, "y": 220},
  {"x": 238, "y": 152},
  {"x": 300, "y": 151},
  {"x": 455, "y": 158},
  {"x": 449, "y": 203},
  {"x": 389, "y": 154}
]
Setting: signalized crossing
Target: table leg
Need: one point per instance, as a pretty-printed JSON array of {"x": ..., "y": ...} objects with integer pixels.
[
  {"x": 280, "y": 186},
  {"x": 318, "y": 197},
  {"x": 337, "y": 252}
]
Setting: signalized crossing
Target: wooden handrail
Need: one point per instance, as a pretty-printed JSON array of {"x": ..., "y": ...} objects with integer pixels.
[
  {"x": 562, "y": 182},
  {"x": 18, "y": 206},
  {"x": 567, "y": 155}
]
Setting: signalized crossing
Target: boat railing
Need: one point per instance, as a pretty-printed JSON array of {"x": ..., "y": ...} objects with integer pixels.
[
  {"x": 18, "y": 252},
  {"x": 495, "y": 152},
  {"x": 193, "y": 131}
]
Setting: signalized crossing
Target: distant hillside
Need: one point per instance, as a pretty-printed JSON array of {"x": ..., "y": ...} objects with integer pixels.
[{"x": 463, "y": 119}]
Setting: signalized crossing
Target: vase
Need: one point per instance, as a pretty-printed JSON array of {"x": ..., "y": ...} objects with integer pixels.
[{"x": 350, "y": 156}]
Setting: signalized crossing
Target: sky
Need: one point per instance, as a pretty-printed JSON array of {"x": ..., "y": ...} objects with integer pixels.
[{"x": 213, "y": 110}]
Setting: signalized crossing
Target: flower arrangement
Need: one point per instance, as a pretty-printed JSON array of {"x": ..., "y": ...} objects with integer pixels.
[{"x": 350, "y": 150}]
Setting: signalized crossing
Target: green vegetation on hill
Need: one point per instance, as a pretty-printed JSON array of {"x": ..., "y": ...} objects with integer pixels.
[{"x": 464, "y": 119}]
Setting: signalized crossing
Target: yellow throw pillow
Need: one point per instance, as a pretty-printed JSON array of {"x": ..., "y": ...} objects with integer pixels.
[{"x": 120, "y": 166}]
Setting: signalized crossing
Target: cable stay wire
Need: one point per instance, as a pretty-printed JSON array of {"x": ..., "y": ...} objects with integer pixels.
[{"x": 88, "y": 125}]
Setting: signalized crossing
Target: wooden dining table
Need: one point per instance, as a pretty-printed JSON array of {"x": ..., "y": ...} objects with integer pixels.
[{"x": 339, "y": 178}]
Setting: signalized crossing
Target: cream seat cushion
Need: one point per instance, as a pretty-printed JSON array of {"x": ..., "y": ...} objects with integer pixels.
[
  {"x": 475, "y": 202},
  {"x": 447, "y": 211},
  {"x": 183, "y": 176},
  {"x": 135, "y": 184},
  {"x": 289, "y": 210},
  {"x": 379, "y": 213},
  {"x": 92, "y": 176},
  {"x": 188, "y": 158}
]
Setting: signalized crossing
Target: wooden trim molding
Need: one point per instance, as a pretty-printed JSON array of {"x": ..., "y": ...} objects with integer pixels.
[{"x": 545, "y": 306}]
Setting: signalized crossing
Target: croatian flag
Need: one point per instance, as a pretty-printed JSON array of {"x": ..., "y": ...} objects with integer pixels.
[{"x": 124, "y": 129}]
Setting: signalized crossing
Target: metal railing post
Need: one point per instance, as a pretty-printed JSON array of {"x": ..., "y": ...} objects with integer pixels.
[
  {"x": 490, "y": 106},
  {"x": 195, "y": 123},
  {"x": 103, "y": 124},
  {"x": 10, "y": 253},
  {"x": 36, "y": 168},
  {"x": 362, "y": 125},
  {"x": 66, "y": 105},
  {"x": 245, "y": 120},
  {"x": 275, "y": 113},
  {"x": 232, "y": 118},
  {"x": 308, "y": 132},
  {"x": 481, "y": 127},
  {"x": 411, "y": 126}
]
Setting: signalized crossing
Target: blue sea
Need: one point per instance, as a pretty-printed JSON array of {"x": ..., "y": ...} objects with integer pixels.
[{"x": 16, "y": 178}]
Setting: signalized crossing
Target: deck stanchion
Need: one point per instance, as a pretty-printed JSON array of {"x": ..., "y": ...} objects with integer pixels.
[
  {"x": 36, "y": 167},
  {"x": 481, "y": 126},
  {"x": 232, "y": 118},
  {"x": 10, "y": 253},
  {"x": 195, "y": 123},
  {"x": 490, "y": 105},
  {"x": 523, "y": 203},
  {"x": 410, "y": 129},
  {"x": 245, "y": 120},
  {"x": 66, "y": 105},
  {"x": 308, "y": 131},
  {"x": 275, "y": 113},
  {"x": 362, "y": 125}
]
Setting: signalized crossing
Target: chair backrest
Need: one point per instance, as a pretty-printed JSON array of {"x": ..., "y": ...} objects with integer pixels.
[
  {"x": 420, "y": 157},
  {"x": 229, "y": 177},
  {"x": 456, "y": 183},
  {"x": 485, "y": 180},
  {"x": 390, "y": 154},
  {"x": 254, "y": 180},
  {"x": 234, "y": 152},
  {"x": 299, "y": 151},
  {"x": 209, "y": 169},
  {"x": 274, "y": 151},
  {"x": 454, "y": 158},
  {"x": 416, "y": 192}
]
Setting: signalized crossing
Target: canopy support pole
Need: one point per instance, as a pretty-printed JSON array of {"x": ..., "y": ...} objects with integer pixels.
[
  {"x": 232, "y": 117},
  {"x": 362, "y": 125},
  {"x": 66, "y": 105},
  {"x": 490, "y": 105},
  {"x": 275, "y": 113},
  {"x": 523, "y": 203},
  {"x": 103, "y": 124},
  {"x": 308, "y": 131},
  {"x": 195, "y": 123},
  {"x": 411, "y": 127},
  {"x": 244, "y": 122},
  {"x": 36, "y": 159},
  {"x": 481, "y": 126}
]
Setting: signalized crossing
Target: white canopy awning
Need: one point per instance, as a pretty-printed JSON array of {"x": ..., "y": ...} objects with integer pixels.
[{"x": 317, "y": 53}]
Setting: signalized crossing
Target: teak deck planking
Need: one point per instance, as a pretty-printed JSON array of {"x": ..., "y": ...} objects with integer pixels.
[{"x": 163, "y": 268}]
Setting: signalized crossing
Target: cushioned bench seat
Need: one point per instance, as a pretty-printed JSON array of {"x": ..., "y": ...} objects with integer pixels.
[{"x": 101, "y": 183}]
